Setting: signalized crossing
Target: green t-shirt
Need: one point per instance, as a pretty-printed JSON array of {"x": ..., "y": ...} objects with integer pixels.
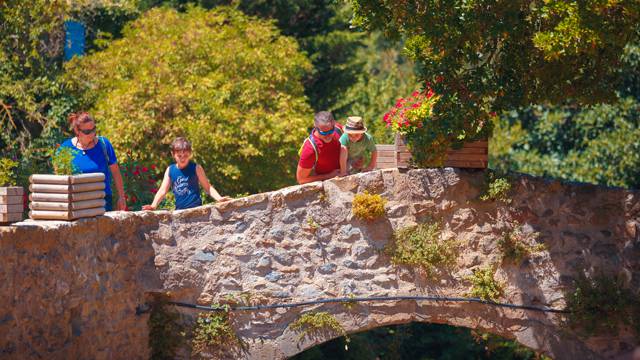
[{"x": 359, "y": 152}]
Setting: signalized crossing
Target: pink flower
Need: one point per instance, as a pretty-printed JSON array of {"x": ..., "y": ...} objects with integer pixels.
[
  {"x": 416, "y": 105},
  {"x": 415, "y": 93}
]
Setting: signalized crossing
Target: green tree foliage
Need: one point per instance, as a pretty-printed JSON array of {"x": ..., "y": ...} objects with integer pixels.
[
  {"x": 491, "y": 55},
  {"x": 597, "y": 144},
  {"x": 230, "y": 84},
  {"x": 322, "y": 30},
  {"x": 386, "y": 75}
]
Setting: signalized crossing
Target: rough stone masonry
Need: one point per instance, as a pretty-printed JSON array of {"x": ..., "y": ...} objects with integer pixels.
[{"x": 70, "y": 290}]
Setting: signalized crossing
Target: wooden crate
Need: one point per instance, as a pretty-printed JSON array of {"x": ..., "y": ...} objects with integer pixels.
[
  {"x": 66, "y": 197},
  {"x": 11, "y": 204},
  {"x": 471, "y": 155}
]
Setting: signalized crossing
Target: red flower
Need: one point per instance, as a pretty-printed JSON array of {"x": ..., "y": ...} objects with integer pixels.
[
  {"x": 439, "y": 78},
  {"x": 430, "y": 94},
  {"x": 415, "y": 93},
  {"x": 154, "y": 190},
  {"x": 493, "y": 113},
  {"x": 416, "y": 105},
  {"x": 136, "y": 173},
  {"x": 144, "y": 169},
  {"x": 153, "y": 167},
  {"x": 134, "y": 199}
]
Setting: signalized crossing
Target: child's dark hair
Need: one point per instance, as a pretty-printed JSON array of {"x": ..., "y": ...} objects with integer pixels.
[{"x": 180, "y": 144}]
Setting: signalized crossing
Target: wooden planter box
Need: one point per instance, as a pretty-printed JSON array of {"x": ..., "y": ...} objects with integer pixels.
[
  {"x": 66, "y": 197},
  {"x": 11, "y": 204},
  {"x": 471, "y": 155}
]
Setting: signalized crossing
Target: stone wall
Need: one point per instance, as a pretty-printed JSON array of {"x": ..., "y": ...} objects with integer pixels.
[{"x": 71, "y": 290}]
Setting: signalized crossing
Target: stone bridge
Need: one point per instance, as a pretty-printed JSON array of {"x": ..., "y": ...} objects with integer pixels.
[{"x": 70, "y": 290}]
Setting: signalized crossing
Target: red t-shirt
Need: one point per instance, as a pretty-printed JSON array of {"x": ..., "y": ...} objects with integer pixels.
[{"x": 328, "y": 154}]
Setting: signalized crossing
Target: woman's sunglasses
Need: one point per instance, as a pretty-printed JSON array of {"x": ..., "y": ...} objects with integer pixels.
[{"x": 88, "y": 131}]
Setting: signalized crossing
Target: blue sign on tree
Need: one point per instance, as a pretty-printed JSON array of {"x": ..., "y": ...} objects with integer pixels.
[{"x": 73, "y": 39}]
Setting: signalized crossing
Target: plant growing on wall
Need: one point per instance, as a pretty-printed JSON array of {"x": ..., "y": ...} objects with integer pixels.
[
  {"x": 368, "y": 206},
  {"x": 213, "y": 331},
  {"x": 317, "y": 324},
  {"x": 601, "y": 305},
  {"x": 496, "y": 187},
  {"x": 515, "y": 245},
  {"x": 7, "y": 174},
  {"x": 484, "y": 284},
  {"x": 422, "y": 246}
]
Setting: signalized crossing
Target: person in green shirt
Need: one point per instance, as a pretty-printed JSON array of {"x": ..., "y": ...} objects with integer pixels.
[{"x": 358, "y": 149}]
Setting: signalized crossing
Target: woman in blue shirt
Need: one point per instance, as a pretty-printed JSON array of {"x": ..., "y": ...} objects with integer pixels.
[{"x": 95, "y": 154}]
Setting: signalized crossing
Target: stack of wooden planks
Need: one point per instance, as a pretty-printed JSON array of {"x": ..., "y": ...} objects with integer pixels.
[
  {"x": 11, "y": 204},
  {"x": 66, "y": 197}
]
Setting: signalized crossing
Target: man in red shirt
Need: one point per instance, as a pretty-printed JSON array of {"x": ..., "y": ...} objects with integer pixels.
[{"x": 320, "y": 153}]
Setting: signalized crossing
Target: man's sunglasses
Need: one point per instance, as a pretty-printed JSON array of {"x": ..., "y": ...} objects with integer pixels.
[
  {"x": 328, "y": 132},
  {"x": 88, "y": 131}
]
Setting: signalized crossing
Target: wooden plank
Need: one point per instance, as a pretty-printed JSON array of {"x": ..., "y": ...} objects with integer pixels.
[
  {"x": 12, "y": 190},
  {"x": 10, "y": 217},
  {"x": 476, "y": 144},
  {"x": 11, "y": 199},
  {"x": 466, "y": 164},
  {"x": 386, "y": 147},
  {"x": 13, "y": 208},
  {"x": 89, "y": 195},
  {"x": 78, "y": 205},
  {"x": 468, "y": 157},
  {"x": 477, "y": 150},
  {"x": 386, "y": 155},
  {"x": 64, "y": 189},
  {"x": 65, "y": 215}
]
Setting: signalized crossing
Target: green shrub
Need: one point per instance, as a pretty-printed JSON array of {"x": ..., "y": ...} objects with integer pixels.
[
  {"x": 496, "y": 188},
  {"x": 514, "y": 245},
  {"x": 7, "y": 174},
  {"x": 368, "y": 206},
  {"x": 422, "y": 246},
  {"x": 600, "y": 305},
  {"x": 213, "y": 331},
  {"x": 315, "y": 324},
  {"x": 484, "y": 284},
  {"x": 166, "y": 332},
  {"x": 62, "y": 161}
]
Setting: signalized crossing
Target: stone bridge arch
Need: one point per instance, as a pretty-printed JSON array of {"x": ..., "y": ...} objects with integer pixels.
[{"x": 71, "y": 289}]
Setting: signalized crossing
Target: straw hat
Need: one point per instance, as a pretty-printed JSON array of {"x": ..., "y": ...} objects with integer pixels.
[{"x": 354, "y": 125}]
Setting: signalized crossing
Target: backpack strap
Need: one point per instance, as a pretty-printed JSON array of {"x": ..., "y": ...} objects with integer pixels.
[
  {"x": 314, "y": 146},
  {"x": 103, "y": 146}
]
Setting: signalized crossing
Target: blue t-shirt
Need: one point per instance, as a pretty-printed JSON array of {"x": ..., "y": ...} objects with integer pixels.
[
  {"x": 184, "y": 183},
  {"x": 94, "y": 160}
]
